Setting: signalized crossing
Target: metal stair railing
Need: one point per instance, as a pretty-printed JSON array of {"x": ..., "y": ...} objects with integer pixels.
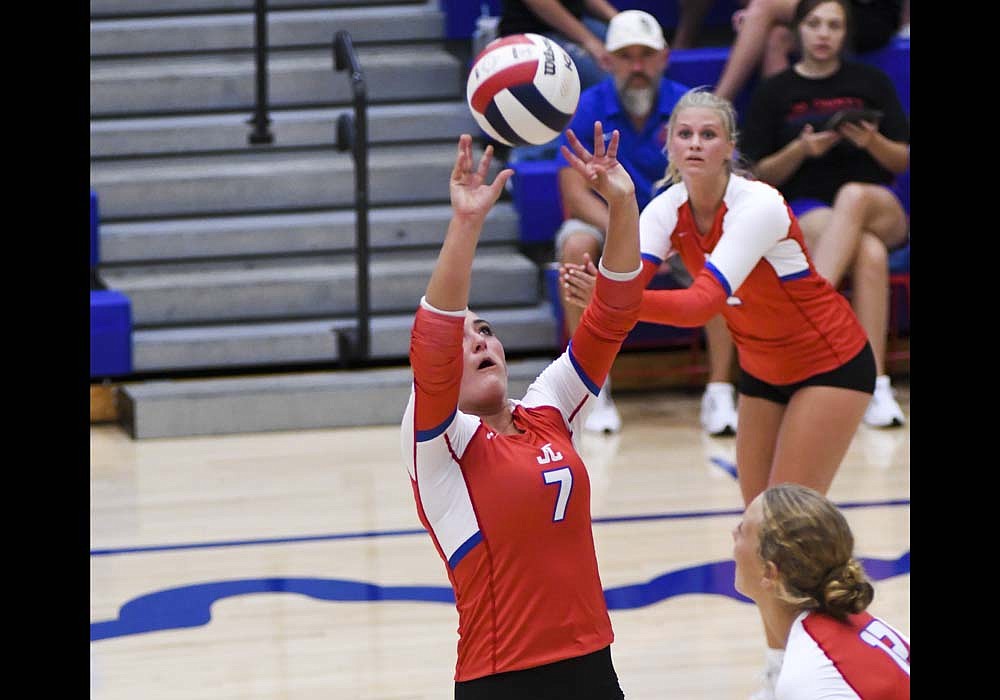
[
  {"x": 260, "y": 120},
  {"x": 352, "y": 133}
]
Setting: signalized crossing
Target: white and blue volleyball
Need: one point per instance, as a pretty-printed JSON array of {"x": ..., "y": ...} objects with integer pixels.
[{"x": 523, "y": 89}]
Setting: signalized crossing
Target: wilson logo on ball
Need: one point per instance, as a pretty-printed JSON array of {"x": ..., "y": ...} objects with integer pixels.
[{"x": 523, "y": 89}]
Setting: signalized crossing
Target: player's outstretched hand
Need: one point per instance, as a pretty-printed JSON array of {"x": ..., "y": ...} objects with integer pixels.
[
  {"x": 470, "y": 195},
  {"x": 601, "y": 168}
]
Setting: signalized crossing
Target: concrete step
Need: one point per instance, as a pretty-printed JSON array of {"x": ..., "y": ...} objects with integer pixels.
[
  {"x": 284, "y": 234},
  {"x": 245, "y": 183},
  {"x": 313, "y": 287},
  {"x": 306, "y": 401},
  {"x": 140, "y": 8},
  {"x": 285, "y": 29},
  {"x": 300, "y": 79},
  {"x": 221, "y": 347},
  {"x": 150, "y": 136}
]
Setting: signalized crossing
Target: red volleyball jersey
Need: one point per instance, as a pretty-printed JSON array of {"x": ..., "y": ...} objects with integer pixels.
[
  {"x": 510, "y": 514},
  {"x": 787, "y": 322},
  {"x": 861, "y": 659}
]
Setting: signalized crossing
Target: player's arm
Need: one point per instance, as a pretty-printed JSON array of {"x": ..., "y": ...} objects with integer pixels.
[
  {"x": 750, "y": 230},
  {"x": 612, "y": 312},
  {"x": 471, "y": 201},
  {"x": 656, "y": 222},
  {"x": 438, "y": 329}
]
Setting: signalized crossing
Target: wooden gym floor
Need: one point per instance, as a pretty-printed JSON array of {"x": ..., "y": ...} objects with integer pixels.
[{"x": 292, "y": 565}]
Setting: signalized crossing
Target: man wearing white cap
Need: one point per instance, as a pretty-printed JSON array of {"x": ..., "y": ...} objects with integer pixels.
[{"x": 637, "y": 100}]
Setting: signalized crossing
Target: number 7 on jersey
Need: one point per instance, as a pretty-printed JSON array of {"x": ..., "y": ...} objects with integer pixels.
[{"x": 564, "y": 477}]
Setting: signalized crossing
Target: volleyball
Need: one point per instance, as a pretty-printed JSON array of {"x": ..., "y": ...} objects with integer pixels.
[{"x": 523, "y": 89}]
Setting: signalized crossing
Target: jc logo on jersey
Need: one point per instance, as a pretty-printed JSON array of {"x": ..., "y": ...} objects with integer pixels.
[{"x": 548, "y": 455}]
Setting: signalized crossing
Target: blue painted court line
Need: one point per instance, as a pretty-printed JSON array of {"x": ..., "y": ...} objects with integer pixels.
[
  {"x": 191, "y": 605},
  {"x": 729, "y": 467},
  {"x": 421, "y": 531}
]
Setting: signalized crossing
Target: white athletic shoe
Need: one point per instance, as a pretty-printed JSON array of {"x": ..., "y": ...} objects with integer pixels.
[
  {"x": 604, "y": 418},
  {"x": 718, "y": 410},
  {"x": 883, "y": 411}
]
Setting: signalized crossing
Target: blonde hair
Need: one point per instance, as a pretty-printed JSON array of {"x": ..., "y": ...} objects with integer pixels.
[
  {"x": 703, "y": 97},
  {"x": 809, "y": 541}
]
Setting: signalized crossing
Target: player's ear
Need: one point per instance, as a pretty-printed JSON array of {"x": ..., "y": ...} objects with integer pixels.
[{"x": 771, "y": 577}]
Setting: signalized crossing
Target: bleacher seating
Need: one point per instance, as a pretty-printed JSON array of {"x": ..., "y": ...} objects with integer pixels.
[
  {"x": 110, "y": 334},
  {"x": 95, "y": 218},
  {"x": 212, "y": 255},
  {"x": 110, "y": 315}
]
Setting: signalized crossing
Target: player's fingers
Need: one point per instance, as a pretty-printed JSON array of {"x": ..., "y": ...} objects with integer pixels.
[
  {"x": 572, "y": 159},
  {"x": 582, "y": 153},
  {"x": 598, "y": 139},
  {"x": 612, "y": 151},
  {"x": 501, "y": 181},
  {"x": 484, "y": 162},
  {"x": 456, "y": 172}
]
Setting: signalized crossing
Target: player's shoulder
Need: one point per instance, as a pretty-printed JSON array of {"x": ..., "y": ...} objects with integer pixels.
[
  {"x": 746, "y": 193},
  {"x": 670, "y": 198}
]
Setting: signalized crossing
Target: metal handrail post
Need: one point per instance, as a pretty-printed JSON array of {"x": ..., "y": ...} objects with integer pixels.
[
  {"x": 261, "y": 132},
  {"x": 356, "y": 135}
]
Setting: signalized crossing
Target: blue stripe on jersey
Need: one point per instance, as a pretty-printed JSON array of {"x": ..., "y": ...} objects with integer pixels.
[
  {"x": 719, "y": 276},
  {"x": 541, "y": 109},
  {"x": 425, "y": 435},
  {"x": 594, "y": 389},
  {"x": 464, "y": 549},
  {"x": 795, "y": 275},
  {"x": 652, "y": 258}
]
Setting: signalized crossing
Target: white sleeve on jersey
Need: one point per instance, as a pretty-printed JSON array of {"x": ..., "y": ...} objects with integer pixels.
[
  {"x": 444, "y": 495},
  {"x": 658, "y": 220},
  {"x": 756, "y": 221},
  {"x": 563, "y": 386}
]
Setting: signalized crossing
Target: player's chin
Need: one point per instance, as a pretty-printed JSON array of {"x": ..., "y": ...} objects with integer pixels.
[{"x": 485, "y": 389}]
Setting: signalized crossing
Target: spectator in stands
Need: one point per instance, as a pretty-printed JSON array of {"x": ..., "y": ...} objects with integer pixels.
[
  {"x": 764, "y": 40},
  {"x": 578, "y": 26},
  {"x": 794, "y": 555},
  {"x": 637, "y": 101},
  {"x": 838, "y": 180},
  {"x": 498, "y": 482}
]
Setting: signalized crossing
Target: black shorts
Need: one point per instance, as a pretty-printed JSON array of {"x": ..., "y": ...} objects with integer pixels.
[
  {"x": 857, "y": 373},
  {"x": 588, "y": 677}
]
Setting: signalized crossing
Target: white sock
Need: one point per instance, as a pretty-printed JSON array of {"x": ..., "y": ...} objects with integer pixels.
[{"x": 718, "y": 386}]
